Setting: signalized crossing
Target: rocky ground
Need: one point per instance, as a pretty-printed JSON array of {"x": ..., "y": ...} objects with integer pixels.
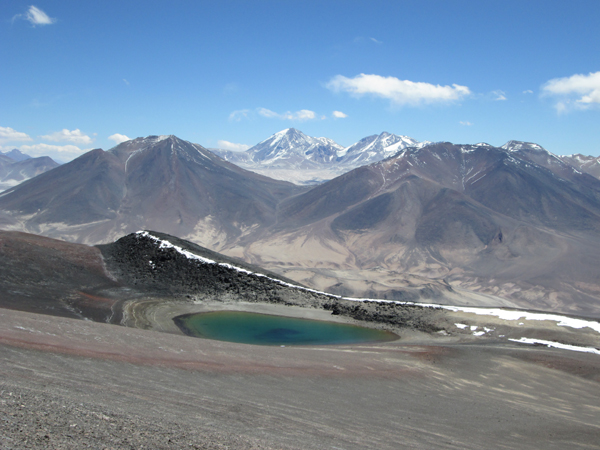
[
  {"x": 39, "y": 419},
  {"x": 69, "y": 383}
]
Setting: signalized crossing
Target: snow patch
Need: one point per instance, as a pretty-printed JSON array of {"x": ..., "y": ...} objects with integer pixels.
[{"x": 574, "y": 348}]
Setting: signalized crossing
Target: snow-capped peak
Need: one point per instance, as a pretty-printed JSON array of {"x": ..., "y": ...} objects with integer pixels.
[
  {"x": 375, "y": 148},
  {"x": 515, "y": 146},
  {"x": 293, "y": 146}
]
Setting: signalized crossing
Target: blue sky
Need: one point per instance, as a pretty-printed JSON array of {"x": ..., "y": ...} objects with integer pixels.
[{"x": 231, "y": 73}]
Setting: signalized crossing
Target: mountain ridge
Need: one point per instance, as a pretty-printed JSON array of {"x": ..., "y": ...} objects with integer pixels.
[
  {"x": 292, "y": 155},
  {"x": 16, "y": 167},
  {"x": 485, "y": 218},
  {"x": 162, "y": 181}
]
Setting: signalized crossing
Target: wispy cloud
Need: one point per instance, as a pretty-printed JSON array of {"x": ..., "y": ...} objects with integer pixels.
[
  {"x": 231, "y": 88},
  {"x": 575, "y": 92},
  {"x": 125, "y": 81},
  {"x": 118, "y": 138},
  {"x": 362, "y": 39},
  {"x": 226, "y": 145},
  {"x": 302, "y": 115},
  {"x": 499, "y": 95},
  {"x": 528, "y": 91},
  {"x": 239, "y": 115},
  {"x": 299, "y": 116},
  {"x": 35, "y": 16},
  {"x": 7, "y": 134},
  {"x": 466, "y": 123},
  {"x": 339, "y": 115},
  {"x": 75, "y": 136},
  {"x": 399, "y": 92}
]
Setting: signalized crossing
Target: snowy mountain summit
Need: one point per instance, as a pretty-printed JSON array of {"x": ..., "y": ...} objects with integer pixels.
[
  {"x": 293, "y": 146},
  {"x": 375, "y": 148},
  {"x": 293, "y": 156}
]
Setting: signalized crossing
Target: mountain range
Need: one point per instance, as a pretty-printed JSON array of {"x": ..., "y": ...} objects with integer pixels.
[
  {"x": 515, "y": 223},
  {"x": 159, "y": 181},
  {"x": 482, "y": 218},
  {"x": 16, "y": 167},
  {"x": 293, "y": 156}
]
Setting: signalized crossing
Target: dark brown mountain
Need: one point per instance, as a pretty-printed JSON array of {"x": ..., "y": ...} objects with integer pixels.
[
  {"x": 481, "y": 217},
  {"x": 158, "y": 182}
]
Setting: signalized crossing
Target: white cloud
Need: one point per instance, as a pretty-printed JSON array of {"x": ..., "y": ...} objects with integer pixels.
[
  {"x": 376, "y": 41},
  {"x": 466, "y": 123},
  {"x": 47, "y": 149},
  {"x": 302, "y": 115},
  {"x": 528, "y": 91},
  {"x": 239, "y": 114},
  {"x": 575, "y": 92},
  {"x": 500, "y": 95},
  {"x": 7, "y": 134},
  {"x": 75, "y": 136},
  {"x": 36, "y": 16},
  {"x": 125, "y": 81},
  {"x": 226, "y": 145},
  {"x": 339, "y": 115},
  {"x": 399, "y": 92},
  {"x": 267, "y": 113},
  {"x": 118, "y": 138}
]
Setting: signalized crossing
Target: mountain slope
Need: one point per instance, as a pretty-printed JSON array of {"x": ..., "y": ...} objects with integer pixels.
[
  {"x": 159, "y": 181},
  {"x": 16, "y": 167},
  {"x": 16, "y": 155},
  {"x": 481, "y": 217},
  {"x": 587, "y": 164}
]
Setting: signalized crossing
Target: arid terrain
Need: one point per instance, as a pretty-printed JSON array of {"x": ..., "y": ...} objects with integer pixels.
[
  {"x": 516, "y": 224},
  {"x": 456, "y": 377}
]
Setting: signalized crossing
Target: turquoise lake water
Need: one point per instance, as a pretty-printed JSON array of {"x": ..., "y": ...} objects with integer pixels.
[{"x": 264, "y": 329}]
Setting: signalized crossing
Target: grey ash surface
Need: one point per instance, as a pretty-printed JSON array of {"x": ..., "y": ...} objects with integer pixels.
[
  {"x": 38, "y": 419},
  {"x": 126, "y": 388}
]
